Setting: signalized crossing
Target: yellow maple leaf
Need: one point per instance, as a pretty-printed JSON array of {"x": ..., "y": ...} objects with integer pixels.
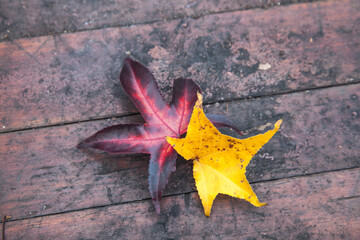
[{"x": 219, "y": 160}]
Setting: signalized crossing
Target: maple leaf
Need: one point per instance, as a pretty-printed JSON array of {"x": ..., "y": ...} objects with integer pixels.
[
  {"x": 162, "y": 119},
  {"x": 219, "y": 160}
]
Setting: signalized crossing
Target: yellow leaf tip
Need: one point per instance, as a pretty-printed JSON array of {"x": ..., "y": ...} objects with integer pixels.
[
  {"x": 170, "y": 140},
  {"x": 262, "y": 204},
  {"x": 207, "y": 212},
  {"x": 198, "y": 103},
  {"x": 278, "y": 123}
]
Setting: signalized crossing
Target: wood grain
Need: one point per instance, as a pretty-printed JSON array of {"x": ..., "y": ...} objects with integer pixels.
[
  {"x": 67, "y": 78},
  {"x": 35, "y": 18},
  {"x": 41, "y": 171},
  {"x": 321, "y": 206}
]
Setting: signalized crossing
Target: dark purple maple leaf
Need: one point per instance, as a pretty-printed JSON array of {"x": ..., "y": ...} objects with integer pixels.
[{"x": 162, "y": 119}]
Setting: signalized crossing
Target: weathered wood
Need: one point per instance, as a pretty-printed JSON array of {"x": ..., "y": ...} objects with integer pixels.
[
  {"x": 73, "y": 77},
  {"x": 41, "y": 171},
  {"x": 34, "y": 18},
  {"x": 322, "y": 206}
]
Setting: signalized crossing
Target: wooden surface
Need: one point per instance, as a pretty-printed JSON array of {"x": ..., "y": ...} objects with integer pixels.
[
  {"x": 53, "y": 167},
  {"x": 290, "y": 214},
  {"x": 34, "y": 18},
  {"x": 55, "y": 90},
  {"x": 78, "y": 74}
]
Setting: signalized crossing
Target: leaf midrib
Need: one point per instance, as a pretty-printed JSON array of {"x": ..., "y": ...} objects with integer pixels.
[{"x": 150, "y": 105}]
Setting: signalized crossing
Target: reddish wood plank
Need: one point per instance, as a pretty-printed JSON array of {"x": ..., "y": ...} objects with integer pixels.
[
  {"x": 73, "y": 77},
  {"x": 323, "y": 206},
  {"x": 34, "y": 18},
  {"x": 41, "y": 172}
]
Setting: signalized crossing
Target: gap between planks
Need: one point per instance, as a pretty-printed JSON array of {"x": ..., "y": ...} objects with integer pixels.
[
  {"x": 205, "y": 104},
  {"x": 194, "y": 16},
  {"x": 305, "y": 175}
]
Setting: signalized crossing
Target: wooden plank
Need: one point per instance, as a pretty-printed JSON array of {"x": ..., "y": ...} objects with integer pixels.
[
  {"x": 41, "y": 171},
  {"x": 35, "y": 18},
  {"x": 74, "y": 77},
  {"x": 322, "y": 206}
]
